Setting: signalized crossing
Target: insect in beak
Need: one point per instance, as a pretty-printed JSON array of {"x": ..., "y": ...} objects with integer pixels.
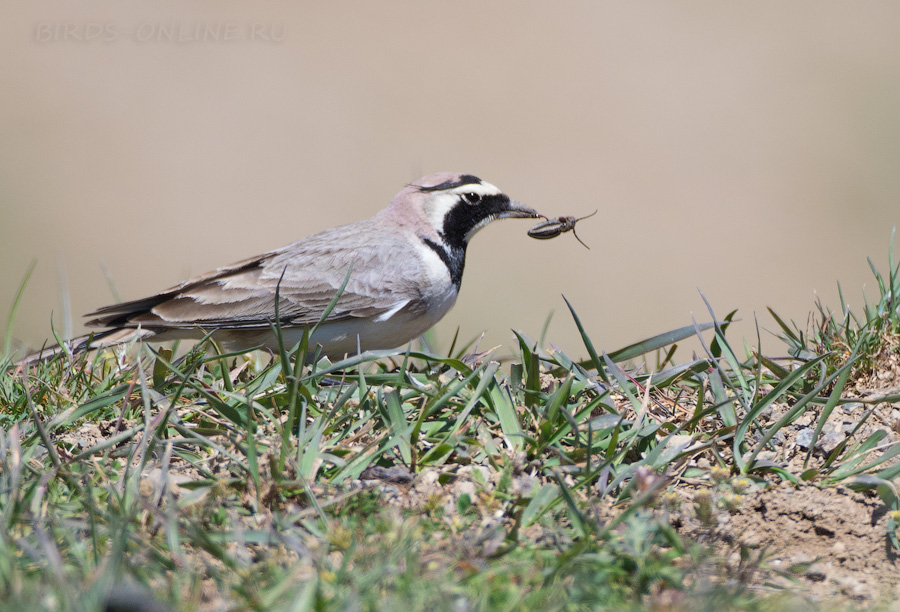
[{"x": 551, "y": 228}]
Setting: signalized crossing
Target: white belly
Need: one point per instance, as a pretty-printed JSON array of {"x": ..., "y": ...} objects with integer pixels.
[{"x": 341, "y": 338}]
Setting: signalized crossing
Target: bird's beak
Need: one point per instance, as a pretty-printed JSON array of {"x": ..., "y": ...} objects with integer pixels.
[{"x": 519, "y": 210}]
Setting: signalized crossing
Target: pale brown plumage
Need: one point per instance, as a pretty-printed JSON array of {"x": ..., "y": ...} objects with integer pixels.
[{"x": 242, "y": 295}]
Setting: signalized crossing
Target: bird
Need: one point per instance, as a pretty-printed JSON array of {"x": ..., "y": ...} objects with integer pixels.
[{"x": 401, "y": 270}]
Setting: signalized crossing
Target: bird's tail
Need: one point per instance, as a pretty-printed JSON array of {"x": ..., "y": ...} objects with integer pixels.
[{"x": 87, "y": 342}]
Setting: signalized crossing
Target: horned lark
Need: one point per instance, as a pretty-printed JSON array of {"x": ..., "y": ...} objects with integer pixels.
[{"x": 403, "y": 268}]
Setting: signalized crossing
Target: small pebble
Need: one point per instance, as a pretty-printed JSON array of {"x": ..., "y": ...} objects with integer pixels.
[
  {"x": 829, "y": 442},
  {"x": 804, "y": 420},
  {"x": 895, "y": 420},
  {"x": 804, "y": 437},
  {"x": 465, "y": 487},
  {"x": 851, "y": 408},
  {"x": 429, "y": 476},
  {"x": 817, "y": 572},
  {"x": 767, "y": 456}
]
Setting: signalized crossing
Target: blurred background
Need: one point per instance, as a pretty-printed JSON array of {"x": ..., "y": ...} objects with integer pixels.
[{"x": 748, "y": 150}]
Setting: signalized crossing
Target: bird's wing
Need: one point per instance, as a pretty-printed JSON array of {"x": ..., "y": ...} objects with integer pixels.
[{"x": 307, "y": 276}]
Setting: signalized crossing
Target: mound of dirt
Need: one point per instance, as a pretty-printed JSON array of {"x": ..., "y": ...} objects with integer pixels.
[{"x": 826, "y": 543}]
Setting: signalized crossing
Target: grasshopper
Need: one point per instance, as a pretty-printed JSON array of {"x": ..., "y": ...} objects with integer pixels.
[{"x": 551, "y": 228}]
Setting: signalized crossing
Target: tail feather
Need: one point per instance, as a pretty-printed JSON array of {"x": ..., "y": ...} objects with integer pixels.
[{"x": 103, "y": 339}]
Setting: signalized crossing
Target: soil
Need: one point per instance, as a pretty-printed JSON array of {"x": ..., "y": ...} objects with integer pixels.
[{"x": 824, "y": 543}]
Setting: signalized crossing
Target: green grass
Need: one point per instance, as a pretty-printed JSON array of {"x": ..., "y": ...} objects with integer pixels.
[{"x": 250, "y": 483}]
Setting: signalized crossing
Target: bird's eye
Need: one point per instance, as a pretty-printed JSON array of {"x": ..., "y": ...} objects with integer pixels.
[{"x": 472, "y": 198}]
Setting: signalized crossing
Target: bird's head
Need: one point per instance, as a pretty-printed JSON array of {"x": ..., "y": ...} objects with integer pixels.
[{"x": 455, "y": 206}]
